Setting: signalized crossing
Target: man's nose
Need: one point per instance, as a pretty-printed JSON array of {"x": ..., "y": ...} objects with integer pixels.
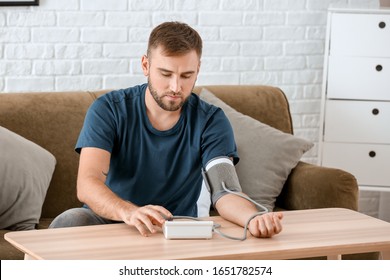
[{"x": 175, "y": 85}]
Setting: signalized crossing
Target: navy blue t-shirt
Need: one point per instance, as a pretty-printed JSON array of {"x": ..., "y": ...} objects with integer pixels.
[{"x": 149, "y": 166}]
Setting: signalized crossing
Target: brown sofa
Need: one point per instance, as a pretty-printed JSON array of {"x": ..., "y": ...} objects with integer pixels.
[{"x": 53, "y": 121}]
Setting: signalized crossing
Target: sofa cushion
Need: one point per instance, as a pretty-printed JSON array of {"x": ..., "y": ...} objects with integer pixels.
[
  {"x": 25, "y": 173},
  {"x": 267, "y": 155}
]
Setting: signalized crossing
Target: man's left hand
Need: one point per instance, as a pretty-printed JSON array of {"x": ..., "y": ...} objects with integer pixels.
[{"x": 266, "y": 225}]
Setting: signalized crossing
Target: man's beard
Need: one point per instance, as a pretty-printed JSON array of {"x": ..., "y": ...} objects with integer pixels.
[{"x": 170, "y": 105}]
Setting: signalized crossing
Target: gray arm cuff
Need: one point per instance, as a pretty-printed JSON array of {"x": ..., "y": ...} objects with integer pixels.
[{"x": 218, "y": 173}]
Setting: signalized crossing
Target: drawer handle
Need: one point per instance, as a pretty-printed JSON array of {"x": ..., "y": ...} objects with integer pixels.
[
  {"x": 372, "y": 154},
  {"x": 382, "y": 24},
  {"x": 375, "y": 111},
  {"x": 379, "y": 67}
]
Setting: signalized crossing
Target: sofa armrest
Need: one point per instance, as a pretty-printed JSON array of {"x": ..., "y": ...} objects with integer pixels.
[{"x": 310, "y": 186}]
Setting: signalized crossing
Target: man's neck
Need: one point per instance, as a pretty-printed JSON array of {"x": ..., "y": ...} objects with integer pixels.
[{"x": 159, "y": 118}]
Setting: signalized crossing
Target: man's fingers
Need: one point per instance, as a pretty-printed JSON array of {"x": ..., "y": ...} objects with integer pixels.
[
  {"x": 263, "y": 227},
  {"x": 266, "y": 225},
  {"x": 270, "y": 225},
  {"x": 142, "y": 223},
  {"x": 279, "y": 215},
  {"x": 278, "y": 223},
  {"x": 158, "y": 213},
  {"x": 141, "y": 228},
  {"x": 274, "y": 223},
  {"x": 145, "y": 218}
]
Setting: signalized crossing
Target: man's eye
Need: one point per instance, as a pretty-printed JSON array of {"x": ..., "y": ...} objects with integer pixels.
[
  {"x": 186, "y": 76},
  {"x": 166, "y": 74}
]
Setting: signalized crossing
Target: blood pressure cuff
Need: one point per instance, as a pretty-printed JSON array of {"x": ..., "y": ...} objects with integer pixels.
[{"x": 220, "y": 170}]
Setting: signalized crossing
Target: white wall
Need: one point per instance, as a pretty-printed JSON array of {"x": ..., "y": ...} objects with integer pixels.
[{"x": 94, "y": 44}]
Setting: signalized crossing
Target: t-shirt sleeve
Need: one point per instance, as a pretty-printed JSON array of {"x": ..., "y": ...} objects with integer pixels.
[
  {"x": 218, "y": 139},
  {"x": 98, "y": 130}
]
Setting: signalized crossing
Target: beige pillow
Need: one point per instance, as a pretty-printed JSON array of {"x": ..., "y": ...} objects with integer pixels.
[
  {"x": 25, "y": 174},
  {"x": 267, "y": 155}
]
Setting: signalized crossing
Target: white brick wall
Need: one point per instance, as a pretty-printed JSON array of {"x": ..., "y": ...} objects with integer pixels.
[{"x": 95, "y": 44}]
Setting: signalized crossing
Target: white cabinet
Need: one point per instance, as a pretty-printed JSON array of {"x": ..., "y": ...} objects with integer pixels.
[{"x": 355, "y": 113}]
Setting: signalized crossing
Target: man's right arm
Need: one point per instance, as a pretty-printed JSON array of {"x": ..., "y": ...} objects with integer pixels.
[{"x": 91, "y": 190}]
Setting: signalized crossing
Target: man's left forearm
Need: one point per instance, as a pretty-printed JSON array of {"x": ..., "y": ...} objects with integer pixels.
[{"x": 235, "y": 209}]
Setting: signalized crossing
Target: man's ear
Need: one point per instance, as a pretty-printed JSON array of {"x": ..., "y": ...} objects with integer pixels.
[{"x": 145, "y": 65}]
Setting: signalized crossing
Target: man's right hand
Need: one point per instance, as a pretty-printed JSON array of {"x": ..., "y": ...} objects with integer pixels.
[{"x": 146, "y": 218}]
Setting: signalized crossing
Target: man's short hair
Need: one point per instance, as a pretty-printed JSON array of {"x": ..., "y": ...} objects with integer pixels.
[{"x": 176, "y": 38}]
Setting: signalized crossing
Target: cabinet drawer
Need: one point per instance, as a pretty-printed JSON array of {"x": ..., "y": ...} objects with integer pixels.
[
  {"x": 359, "y": 78},
  {"x": 360, "y": 35},
  {"x": 357, "y": 122},
  {"x": 370, "y": 164}
]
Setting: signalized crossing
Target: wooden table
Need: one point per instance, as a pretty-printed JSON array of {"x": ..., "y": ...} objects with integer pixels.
[{"x": 329, "y": 232}]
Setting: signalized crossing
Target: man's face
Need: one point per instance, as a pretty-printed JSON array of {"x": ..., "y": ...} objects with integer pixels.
[{"x": 170, "y": 78}]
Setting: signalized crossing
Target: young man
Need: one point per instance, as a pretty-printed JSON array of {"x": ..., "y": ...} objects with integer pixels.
[{"x": 142, "y": 148}]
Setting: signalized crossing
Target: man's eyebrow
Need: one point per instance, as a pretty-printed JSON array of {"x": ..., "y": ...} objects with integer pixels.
[{"x": 169, "y": 71}]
